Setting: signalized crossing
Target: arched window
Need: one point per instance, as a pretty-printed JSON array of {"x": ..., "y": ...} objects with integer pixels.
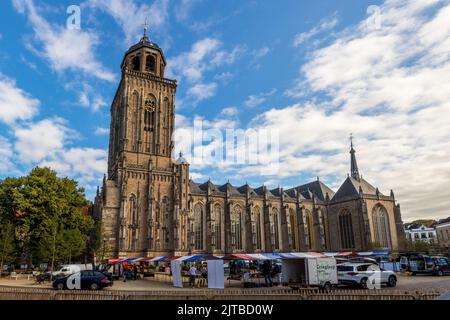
[
  {"x": 132, "y": 219},
  {"x": 150, "y": 63},
  {"x": 166, "y": 124},
  {"x": 346, "y": 230},
  {"x": 198, "y": 227},
  {"x": 149, "y": 121},
  {"x": 134, "y": 119},
  {"x": 256, "y": 228},
  {"x": 216, "y": 234},
  {"x": 290, "y": 219},
  {"x": 274, "y": 225},
  {"x": 136, "y": 63},
  {"x": 381, "y": 228},
  {"x": 236, "y": 228},
  {"x": 323, "y": 228},
  {"x": 309, "y": 228}
]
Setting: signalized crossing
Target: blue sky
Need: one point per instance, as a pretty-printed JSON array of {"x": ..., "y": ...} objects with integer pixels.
[{"x": 316, "y": 69}]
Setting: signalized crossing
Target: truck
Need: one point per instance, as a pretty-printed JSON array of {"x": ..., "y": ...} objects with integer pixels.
[{"x": 310, "y": 272}]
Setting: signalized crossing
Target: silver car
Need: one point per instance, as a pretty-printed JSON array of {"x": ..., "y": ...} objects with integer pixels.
[{"x": 365, "y": 275}]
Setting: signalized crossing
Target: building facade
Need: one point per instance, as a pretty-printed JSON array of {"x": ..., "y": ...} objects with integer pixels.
[
  {"x": 418, "y": 232},
  {"x": 149, "y": 206},
  {"x": 443, "y": 235}
]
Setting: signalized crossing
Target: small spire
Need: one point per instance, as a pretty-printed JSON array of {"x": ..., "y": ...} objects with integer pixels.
[
  {"x": 145, "y": 27},
  {"x": 145, "y": 37},
  {"x": 353, "y": 165}
]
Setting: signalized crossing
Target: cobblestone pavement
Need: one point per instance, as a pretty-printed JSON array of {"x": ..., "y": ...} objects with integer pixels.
[{"x": 404, "y": 282}]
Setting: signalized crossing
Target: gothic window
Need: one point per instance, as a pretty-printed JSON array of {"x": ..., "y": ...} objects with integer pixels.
[
  {"x": 166, "y": 124},
  {"x": 216, "y": 234},
  {"x": 149, "y": 121},
  {"x": 256, "y": 230},
  {"x": 136, "y": 63},
  {"x": 236, "y": 228},
  {"x": 323, "y": 227},
  {"x": 381, "y": 229},
  {"x": 346, "y": 230},
  {"x": 274, "y": 233},
  {"x": 135, "y": 119},
  {"x": 198, "y": 227},
  {"x": 150, "y": 63},
  {"x": 291, "y": 229},
  {"x": 132, "y": 219},
  {"x": 309, "y": 228}
]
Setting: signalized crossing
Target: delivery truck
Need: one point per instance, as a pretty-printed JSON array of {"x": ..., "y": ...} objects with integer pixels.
[{"x": 310, "y": 272}]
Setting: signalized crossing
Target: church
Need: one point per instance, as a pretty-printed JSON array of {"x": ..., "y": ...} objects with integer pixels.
[{"x": 149, "y": 206}]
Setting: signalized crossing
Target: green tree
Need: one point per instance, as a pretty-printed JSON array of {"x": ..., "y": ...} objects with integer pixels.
[
  {"x": 73, "y": 243},
  {"x": 421, "y": 246},
  {"x": 48, "y": 214},
  {"x": 7, "y": 244},
  {"x": 426, "y": 222}
]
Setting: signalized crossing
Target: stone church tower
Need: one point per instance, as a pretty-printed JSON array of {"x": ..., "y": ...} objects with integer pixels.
[{"x": 144, "y": 189}]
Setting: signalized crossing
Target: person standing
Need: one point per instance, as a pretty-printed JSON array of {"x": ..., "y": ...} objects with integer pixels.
[
  {"x": 135, "y": 272},
  {"x": 192, "y": 276},
  {"x": 267, "y": 273}
]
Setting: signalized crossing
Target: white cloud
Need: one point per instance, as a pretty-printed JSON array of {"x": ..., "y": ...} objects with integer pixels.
[
  {"x": 86, "y": 164},
  {"x": 258, "y": 99},
  {"x": 130, "y": 15},
  {"x": 15, "y": 104},
  {"x": 7, "y": 165},
  {"x": 260, "y": 53},
  {"x": 42, "y": 139},
  {"x": 183, "y": 9},
  {"x": 389, "y": 86},
  {"x": 64, "y": 49},
  {"x": 324, "y": 25},
  {"x": 101, "y": 131},
  {"x": 202, "y": 91},
  {"x": 204, "y": 55}
]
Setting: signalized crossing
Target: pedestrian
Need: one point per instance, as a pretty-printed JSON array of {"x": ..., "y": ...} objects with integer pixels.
[
  {"x": 267, "y": 273},
  {"x": 135, "y": 272},
  {"x": 192, "y": 276}
]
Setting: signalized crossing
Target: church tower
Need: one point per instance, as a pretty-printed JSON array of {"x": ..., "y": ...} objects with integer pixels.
[{"x": 139, "y": 193}]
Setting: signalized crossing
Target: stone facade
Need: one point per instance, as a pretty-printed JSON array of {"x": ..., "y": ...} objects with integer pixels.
[{"x": 149, "y": 206}]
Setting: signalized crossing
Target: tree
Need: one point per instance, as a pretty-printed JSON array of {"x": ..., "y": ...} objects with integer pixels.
[
  {"x": 7, "y": 244},
  {"x": 375, "y": 246},
  {"x": 73, "y": 244},
  {"x": 421, "y": 246},
  {"x": 48, "y": 214},
  {"x": 98, "y": 243},
  {"x": 426, "y": 222}
]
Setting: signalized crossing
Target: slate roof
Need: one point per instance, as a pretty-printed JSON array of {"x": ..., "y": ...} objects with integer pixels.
[
  {"x": 318, "y": 188},
  {"x": 350, "y": 189}
]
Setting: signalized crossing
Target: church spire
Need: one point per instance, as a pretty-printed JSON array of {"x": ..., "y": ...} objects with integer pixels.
[
  {"x": 353, "y": 165},
  {"x": 145, "y": 37}
]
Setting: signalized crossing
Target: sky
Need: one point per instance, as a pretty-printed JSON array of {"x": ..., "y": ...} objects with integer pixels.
[{"x": 312, "y": 71}]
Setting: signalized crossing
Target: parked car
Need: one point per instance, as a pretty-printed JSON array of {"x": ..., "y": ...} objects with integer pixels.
[
  {"x": 423, "y": 264},
  {"x": 88, "y": 280},
  {"x": 360, "y": 274}
]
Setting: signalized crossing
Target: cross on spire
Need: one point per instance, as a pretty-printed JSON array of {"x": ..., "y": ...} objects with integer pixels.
[{"x": 145, "y": 27}]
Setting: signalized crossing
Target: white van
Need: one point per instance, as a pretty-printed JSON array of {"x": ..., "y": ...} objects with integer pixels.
[
  {"x": 310, "y": 271},
  {"x": 69, "y": 269}
]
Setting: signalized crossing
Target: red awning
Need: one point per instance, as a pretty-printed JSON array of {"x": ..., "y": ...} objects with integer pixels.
[
  {"x": 170, "y": 259},
  {"x": 238, "y": 256}
]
